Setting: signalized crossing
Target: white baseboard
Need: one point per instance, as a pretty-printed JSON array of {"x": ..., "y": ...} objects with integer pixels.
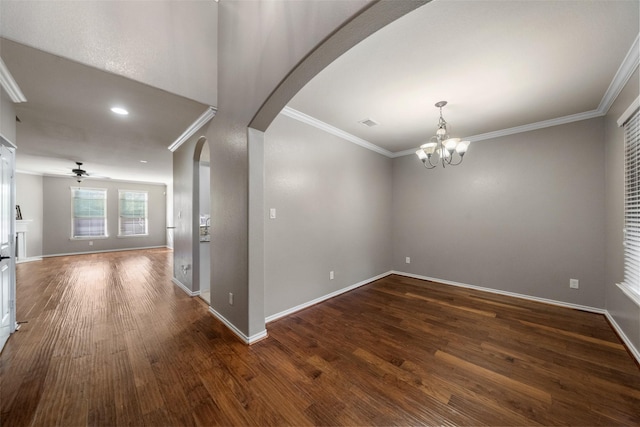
[
  {"x": 106, "y": 250},
  {"x": 634, "y": 351},
  {"x": 184, "y": 288},
  {"x": 247, "y": 340},
  {"x": 506, "y": 293},
  {"x": 30, "y": 259},
  {"x": 323, "y": 298}
]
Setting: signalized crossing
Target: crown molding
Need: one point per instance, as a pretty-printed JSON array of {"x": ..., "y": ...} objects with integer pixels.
[
  {"x": 204, "y": 118},
  {"x": 628, "y": 66},
  {"x": 9, "y": 84},
  {"x": 304, "y": 118},
  {"x": 538, "y": 125}
]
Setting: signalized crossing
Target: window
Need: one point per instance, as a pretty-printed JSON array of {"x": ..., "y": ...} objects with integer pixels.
[
  {"x": 631, "y": 284},
  {"x": 133, "y": 207},
  {"x": 89, "y": 213}
]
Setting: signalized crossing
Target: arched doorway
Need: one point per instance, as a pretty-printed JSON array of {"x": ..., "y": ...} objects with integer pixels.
[{"x": 202, "y": 219}]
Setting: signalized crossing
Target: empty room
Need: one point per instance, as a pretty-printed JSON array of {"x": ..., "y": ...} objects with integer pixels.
[{"x": 343, "y": 212}]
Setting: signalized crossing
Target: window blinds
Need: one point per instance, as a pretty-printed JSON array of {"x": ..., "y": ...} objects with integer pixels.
[
  {"x": 89, "y": 212},
  {"x": 632, "y": 202}
]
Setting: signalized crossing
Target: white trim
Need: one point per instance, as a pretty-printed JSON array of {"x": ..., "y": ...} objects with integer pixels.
[
  {"x": 538, "y": 125},
  {"x": 634, "y": 351},
  {"x": 9, "y": 84},
  {"x": 506, "y": 293},
  {"x": 247, "y": 340},
  {"x": 7, "y": 141},
  {"x": 30, "y": 259},
  {"x": 103, "y": 251},
  {"x": 302, "y": 306},
  {"x": 626, "y": 69},
  {"x": 304, "y": 118},
  {"x": 204, "y": 118},
  {"x": 184, "y": 288},
  {"x": 629, "y": 111},
  {"x": 628, "y": 291}
]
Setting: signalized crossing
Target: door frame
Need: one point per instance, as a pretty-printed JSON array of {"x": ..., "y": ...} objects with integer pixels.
[{"x": 12, "y": 242}]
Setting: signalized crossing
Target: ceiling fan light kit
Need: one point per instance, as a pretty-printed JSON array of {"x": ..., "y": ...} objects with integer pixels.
[
  {"x": 442, "y": 148},
  {"x": 78, "y": 172}
]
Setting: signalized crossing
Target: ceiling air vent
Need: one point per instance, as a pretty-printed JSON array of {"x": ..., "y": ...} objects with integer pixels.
[{"x": 369, "y": 122}]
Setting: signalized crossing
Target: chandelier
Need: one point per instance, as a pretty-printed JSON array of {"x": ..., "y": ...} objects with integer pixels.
[{"x": 441, "y": 147}]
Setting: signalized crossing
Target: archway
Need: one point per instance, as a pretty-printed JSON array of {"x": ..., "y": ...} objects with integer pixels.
[{"x": 202, "y": 219}]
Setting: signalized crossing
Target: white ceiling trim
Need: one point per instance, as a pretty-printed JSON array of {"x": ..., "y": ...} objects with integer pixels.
[
  {"x": 304, "y": 118},
  {"x": 9, "y": 84},
  {"x": 209, "y": 113},
  {"x": 629, "y": 65},
  {"x": 626, "y": 69}
]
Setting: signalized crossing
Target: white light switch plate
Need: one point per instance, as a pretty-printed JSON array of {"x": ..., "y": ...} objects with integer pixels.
[{"x": 272, "y": 213}]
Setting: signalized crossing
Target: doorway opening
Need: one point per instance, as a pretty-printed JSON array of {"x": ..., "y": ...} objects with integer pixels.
[{"x": 202, "y": 209}]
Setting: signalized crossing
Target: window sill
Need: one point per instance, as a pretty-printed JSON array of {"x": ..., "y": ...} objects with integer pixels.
[
  {"x": 630, "y": 292},
  {"x": 90, "y": 238},
  {"x": 127, "y": 236}
]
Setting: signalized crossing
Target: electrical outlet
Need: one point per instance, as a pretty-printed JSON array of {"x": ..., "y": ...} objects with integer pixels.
[
  {"x": 90, "y": 242},
  {"x": 331, "y": 275},
  {"x": 407, "y": 260},
  {"x": 230, "y": 298},
  {"x": 574, "y": 283}
]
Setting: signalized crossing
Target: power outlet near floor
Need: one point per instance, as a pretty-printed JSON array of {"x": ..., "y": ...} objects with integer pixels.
[{"x": 574, "y": 283}]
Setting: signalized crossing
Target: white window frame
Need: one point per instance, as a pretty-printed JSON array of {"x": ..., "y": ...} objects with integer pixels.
[
  {"x": 631, "y": 122},
  {"x": 146, "y": 214},
  {"x": 106, "y": 223}
]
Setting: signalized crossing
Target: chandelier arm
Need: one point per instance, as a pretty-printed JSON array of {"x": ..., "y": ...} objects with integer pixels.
[
  {"x": 457, "y": 163},
  {"x": 428, "y": 167}
]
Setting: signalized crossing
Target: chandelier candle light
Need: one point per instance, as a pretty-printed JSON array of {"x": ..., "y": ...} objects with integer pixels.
[{"x": 441, "y": 147}]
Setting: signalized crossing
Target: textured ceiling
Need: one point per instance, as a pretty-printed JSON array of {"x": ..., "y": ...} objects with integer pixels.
[
  {"x": 499, "y": 64},
  {"x": 67, "y": 118}
]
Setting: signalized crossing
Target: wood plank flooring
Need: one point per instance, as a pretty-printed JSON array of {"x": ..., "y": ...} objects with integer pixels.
[{"x": 111, "y": 341}]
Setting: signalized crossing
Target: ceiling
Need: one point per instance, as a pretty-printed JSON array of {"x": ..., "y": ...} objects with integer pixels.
[
  {"x": 499, "y": 64},
  {"x": 67, "y": 118}
]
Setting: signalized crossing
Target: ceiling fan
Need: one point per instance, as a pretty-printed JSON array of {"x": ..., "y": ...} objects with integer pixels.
[{"x": 78, "y": 172}]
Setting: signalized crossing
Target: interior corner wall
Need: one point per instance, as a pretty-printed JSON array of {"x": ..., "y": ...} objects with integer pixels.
[
  {"x": 620, "y": 307},
  {"x": 56, "y": 238},
  {"x": 29, "y": 197},
  {"x": 333, "y": 213},
  {"x": 523, "y": 214}
]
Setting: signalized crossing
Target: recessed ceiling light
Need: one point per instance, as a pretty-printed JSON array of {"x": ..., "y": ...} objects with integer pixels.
[
  {"x": 143, "y": 161},
  {"x": 119, "y": 110}
]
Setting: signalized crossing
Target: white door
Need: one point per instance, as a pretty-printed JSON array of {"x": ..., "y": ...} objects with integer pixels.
[{"x": 7, "y": 266}]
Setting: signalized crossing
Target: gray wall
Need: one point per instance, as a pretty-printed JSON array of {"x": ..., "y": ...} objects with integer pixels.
[
  {"x": 29, "y": 198},
  {"x": 523, "y": 213},
  {"x": 57, "y": 217},
  {"x": 333, "y": 212},
  {"x": 248, "y": 71},
  {"x": 624, "y": 311}
]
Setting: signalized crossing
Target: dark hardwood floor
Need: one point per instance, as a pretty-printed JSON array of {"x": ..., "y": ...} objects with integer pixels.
[{"x": 111, "y": 341}]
